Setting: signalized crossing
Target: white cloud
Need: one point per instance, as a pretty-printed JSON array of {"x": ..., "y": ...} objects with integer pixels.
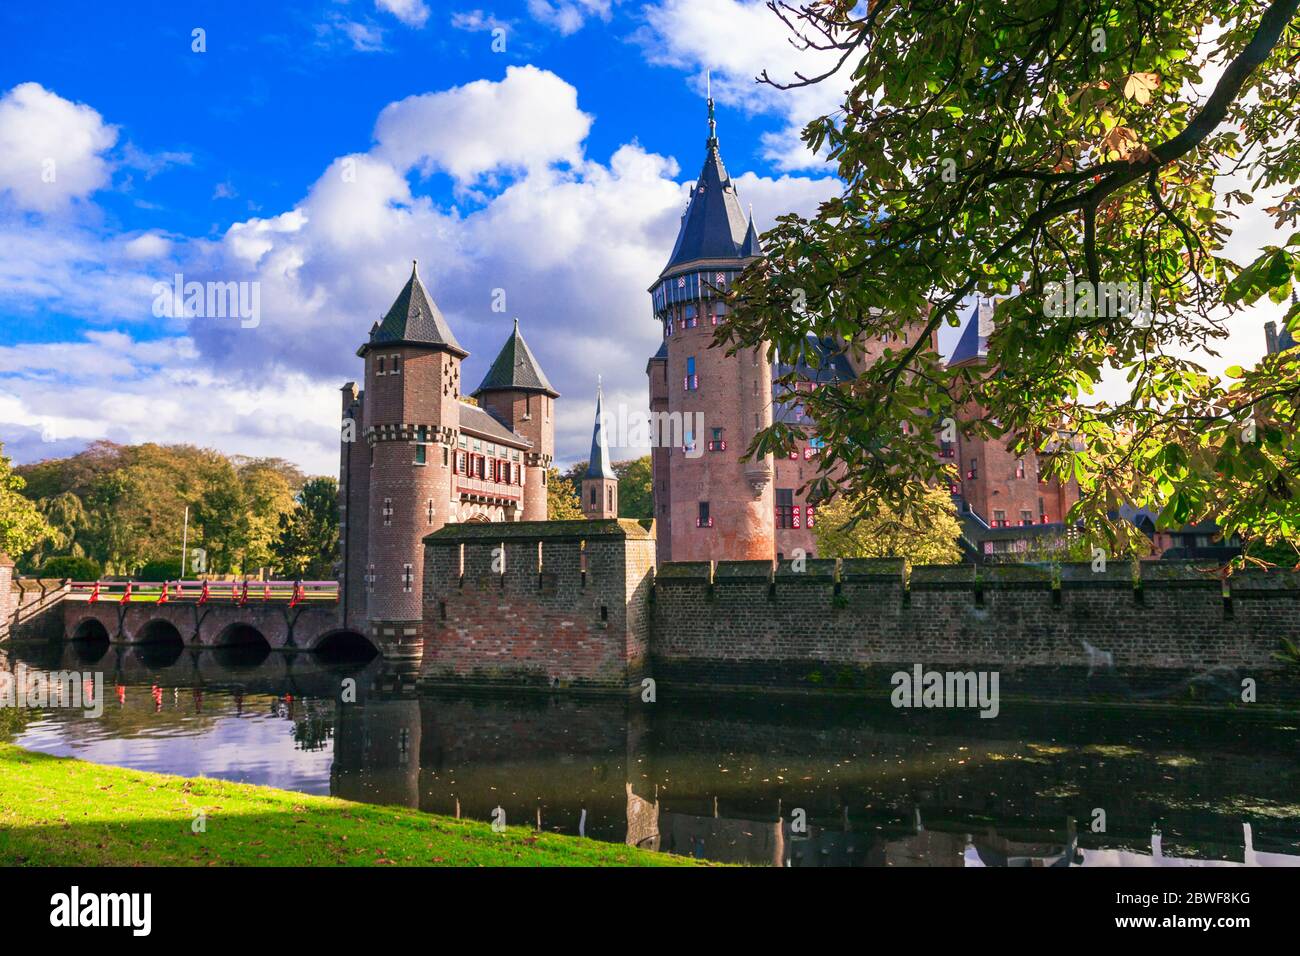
[
  {"x": 737, "y": 40},
  {"x": 51, "y": 149},
  {"x": 527, "y": 121},
  {"x": 411, "y": 12},
  {"x": 567, "y": 16}
]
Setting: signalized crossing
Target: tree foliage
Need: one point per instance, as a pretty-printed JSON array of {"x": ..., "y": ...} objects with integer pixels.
[
  {"x": 21, "y": 525},
  {"x": 307, "y": 541},
  {"x": 561, "y": 497},
  {"x": 999, "y": 148},
  {"x": 124, "y": 506},
  {"x": 845, "y": 529}
]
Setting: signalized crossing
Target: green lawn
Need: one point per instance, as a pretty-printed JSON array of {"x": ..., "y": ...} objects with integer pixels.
[{"x": 58, "y": 811}]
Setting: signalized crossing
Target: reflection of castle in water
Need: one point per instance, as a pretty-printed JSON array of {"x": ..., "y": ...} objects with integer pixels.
[{"x": 650, "y": 776}]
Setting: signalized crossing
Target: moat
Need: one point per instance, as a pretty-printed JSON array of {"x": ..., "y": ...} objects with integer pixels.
[{"x": 722, "y": 778}]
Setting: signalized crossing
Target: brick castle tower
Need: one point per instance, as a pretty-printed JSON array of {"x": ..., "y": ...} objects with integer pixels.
[
  {"x": 600, "y": 483},
  {"x": 516, "y": 393},
  {"x": 710, "y": 502},
  {"x": 415, "y": 455}
]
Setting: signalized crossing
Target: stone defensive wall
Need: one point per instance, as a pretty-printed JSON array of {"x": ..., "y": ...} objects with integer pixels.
[
  {"x": 578, "y": 605},
  {"x": 1163, "y": 630},
  {"x": 558, "y": 604}
]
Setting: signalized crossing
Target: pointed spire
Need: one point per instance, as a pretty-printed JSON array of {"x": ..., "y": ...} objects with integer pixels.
[
  {"x": 751, "y": 246},
  {"x": 516, "y": 369},
  {"x": 713, "y": 226},
  {"x": 712, "y": 142},
  {"x": 598, "y": 465},
  {"x": 413, "y": 319}
]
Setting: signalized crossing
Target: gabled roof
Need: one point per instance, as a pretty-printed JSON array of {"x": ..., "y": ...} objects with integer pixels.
[
  {"x": 598, "y": 465},
  {"x": 413, "y": 319},
  {"x": 516, "y": 369},
  {"x": 479, "y": 421},
  {"x": 713, "y": 226}
]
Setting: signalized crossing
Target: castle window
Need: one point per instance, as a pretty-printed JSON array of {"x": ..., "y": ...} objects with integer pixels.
[
  {"x": 692, "y": 381},
  {"x": 429, "y": 505},
  {"x": 1020, "y": 468},
  {"x": 381, "y": 366},
  {"x": 1026, "y": 516},
  {"x": 408, "y": 578},
  {"x": 370, "y": 579},
  {"x": 388, "y": 512},
  {"x": 1000, "y": 519},
  {"x": 397, "y": 365},
  {"x": 703, "y": 518},
  {"x": 973, "y": 471},
  {"x": 692, "y": 319},
  {"x": 785, "y": 508},
  {"x": 717, "y": 443},
  {"x": 610, "y": 503},
  {"x": 421, "y": 454},
  {"x": 593, "y": 496},
  {"x": 461, "y": 462},
  {"x": 446, "y": 453}
]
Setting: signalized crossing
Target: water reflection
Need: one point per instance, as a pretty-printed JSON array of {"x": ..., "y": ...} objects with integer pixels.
[{"x": 801, "y": 783}]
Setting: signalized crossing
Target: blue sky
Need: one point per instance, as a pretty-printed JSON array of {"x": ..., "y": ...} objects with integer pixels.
[{"x": 315, "y": 149}]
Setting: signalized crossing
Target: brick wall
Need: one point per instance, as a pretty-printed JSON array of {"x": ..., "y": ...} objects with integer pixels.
[
  {"x": 853, "y": 625},
  {"x": 569, "y": 606}
]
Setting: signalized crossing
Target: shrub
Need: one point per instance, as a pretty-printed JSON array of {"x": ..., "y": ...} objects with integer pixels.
[
  {"x": 67, "y": 566},
  {"x": 165, "y": 569}
]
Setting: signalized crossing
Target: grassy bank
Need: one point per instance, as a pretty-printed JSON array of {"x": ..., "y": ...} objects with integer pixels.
[{"x": 56, "y": 811}]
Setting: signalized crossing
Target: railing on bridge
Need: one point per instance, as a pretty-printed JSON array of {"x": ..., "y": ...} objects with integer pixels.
[{"x": 292, "y": 593}]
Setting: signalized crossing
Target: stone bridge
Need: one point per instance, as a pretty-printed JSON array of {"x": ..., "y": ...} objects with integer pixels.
[{"x": 307, "y": 627}]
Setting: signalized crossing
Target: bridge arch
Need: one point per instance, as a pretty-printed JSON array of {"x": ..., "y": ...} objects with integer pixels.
[
  {"x": 90, "y": 640},
  {"x": 159, "y": 630},
  {"x": 241, "y": 644},
  {"x": 345, "y": 645}
]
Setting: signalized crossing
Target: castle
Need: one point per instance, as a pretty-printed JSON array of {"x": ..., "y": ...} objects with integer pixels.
[{"x": 416, "y": 455}]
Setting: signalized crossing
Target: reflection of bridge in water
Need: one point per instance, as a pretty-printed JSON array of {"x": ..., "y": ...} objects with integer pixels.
[{"x": 723, "y": 780}]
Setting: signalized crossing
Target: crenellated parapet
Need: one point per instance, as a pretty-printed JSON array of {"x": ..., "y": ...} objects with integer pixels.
[{"x": 538, "y": 604}]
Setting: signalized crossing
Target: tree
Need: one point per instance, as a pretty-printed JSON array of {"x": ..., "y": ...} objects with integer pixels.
[
  {"x": 308, "y": 538},
  {"x": 635, "y": 488},
  {"x": 21, "y": 525},
  {"x": 561, "y": 497},
  {"x": 845, "y": 529},
  {"x": 1028, "y": 150},
  {"x": 270, "y": 498}
]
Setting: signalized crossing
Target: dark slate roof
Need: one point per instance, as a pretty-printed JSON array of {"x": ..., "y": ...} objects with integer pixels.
[
  {"x": 484, "y": 424},
  {"x": 515, "y": 368},
  {"x": 974, "y": 341},
  {"x": 832, "y": 366},
  {"x": 751, "y": 246},
  {"x": 598, "y": 464},
  {"x": 663, "y": 351},
  {"x": 413, "y": 319},
  {"x": 713, "y": 226}
]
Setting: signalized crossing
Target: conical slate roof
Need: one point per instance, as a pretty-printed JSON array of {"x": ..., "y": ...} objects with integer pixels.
[
  {"x": 598, "y": 465},
  {"x": 413, "y": 319},
  {"x": 713, "y": 226},
  {"x": 751, "y": 246},
  {"x": 516, "y": 368}
]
